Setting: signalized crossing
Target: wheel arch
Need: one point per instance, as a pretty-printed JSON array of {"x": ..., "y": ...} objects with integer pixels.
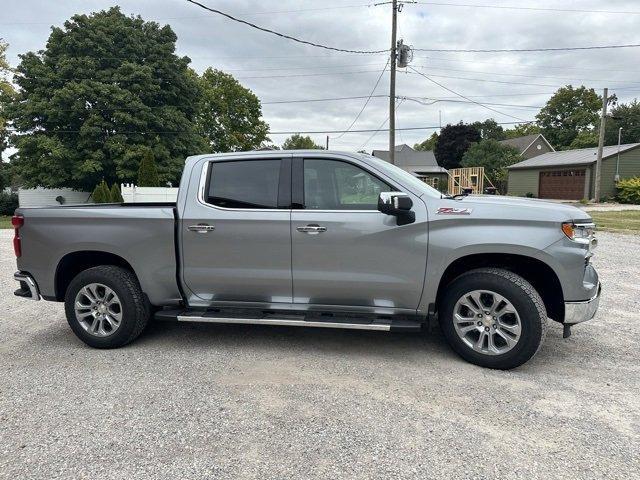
[
  {"x": 73, "y": 263},
  {"x": 539, "y": 274}
]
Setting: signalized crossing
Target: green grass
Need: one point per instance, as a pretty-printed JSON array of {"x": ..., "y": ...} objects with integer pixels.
[
  {"x": 5, "y": 222},
  {"x": 627, "y": 221}
]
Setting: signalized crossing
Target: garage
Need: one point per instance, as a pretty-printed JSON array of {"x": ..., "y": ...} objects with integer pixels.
[{"x": 562, "y": 184}]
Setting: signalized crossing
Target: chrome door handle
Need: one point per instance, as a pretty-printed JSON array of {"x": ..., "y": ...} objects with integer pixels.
[
  {"x": 312, "y": 229},
  {"x": 201, "y": 228}
]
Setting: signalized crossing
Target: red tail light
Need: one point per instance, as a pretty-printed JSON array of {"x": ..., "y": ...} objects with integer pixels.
[{"x": 17, "y": 221}]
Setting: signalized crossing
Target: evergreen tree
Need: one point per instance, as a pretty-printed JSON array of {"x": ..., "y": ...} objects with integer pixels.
[
  {"x": 101, "y": 194},
  {"x": 147, "y": 172},
  {"x": 116, "y": 196}
]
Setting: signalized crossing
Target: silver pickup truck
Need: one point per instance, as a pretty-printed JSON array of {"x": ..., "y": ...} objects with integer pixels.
[{"x": 316, "y": 239}]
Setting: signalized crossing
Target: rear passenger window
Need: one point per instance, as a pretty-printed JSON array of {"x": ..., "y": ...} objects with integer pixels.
[{"x": 244, "y": 184}]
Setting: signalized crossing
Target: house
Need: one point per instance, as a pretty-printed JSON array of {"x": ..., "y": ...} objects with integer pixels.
[
  {"x": 529, "y": 146},
  {"x": 421, "y": 163},
  {"x": 569, "y": 174}
]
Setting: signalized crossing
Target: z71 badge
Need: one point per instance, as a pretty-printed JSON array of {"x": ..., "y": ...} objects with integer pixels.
[{"x": 454, "y": 211}]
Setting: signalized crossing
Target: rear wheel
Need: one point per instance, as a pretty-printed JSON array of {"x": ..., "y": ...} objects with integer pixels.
[
  {"x": 105, "y": 307},
  {"x": 493, "y": 318}
]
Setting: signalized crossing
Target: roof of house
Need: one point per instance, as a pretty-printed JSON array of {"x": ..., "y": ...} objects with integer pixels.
[
  {"x": 415, "y": 161},
  {"x": 582, "y": 156},
  {"x": 522, "y": 143}
]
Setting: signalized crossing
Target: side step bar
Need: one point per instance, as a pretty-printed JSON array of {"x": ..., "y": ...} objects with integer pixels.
[{"x": 259, "y": 317}]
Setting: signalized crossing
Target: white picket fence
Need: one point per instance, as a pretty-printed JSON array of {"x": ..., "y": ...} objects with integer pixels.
[{"x": 133, "y": 194}]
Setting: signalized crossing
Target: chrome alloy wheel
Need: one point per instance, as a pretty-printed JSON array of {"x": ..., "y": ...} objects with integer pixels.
[
  {"x": 487, "y": 322},
  {"x": 98, "y": 309}
]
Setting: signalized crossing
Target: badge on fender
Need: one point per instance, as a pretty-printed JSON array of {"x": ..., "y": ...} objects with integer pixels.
[{"x": 454, "y": 211}]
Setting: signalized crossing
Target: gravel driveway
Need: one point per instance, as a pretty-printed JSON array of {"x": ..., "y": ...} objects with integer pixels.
[{"x": 207, "y": 401}]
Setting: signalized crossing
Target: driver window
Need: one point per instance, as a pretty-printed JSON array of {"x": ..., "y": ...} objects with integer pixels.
[{"x": 335, "y": 185}]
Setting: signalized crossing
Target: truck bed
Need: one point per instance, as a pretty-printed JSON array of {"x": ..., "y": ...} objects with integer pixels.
[{"x": 141, "y": 234}]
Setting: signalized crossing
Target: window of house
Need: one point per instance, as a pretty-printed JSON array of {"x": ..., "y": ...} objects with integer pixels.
[
  {"x": 244, "y": 184},
  {"x": 335, "y": 185}
]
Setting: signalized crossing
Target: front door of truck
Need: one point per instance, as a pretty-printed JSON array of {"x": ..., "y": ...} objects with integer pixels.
[
  {"x": 236, "y": 240},
  {"x": 344, "y": 251}
]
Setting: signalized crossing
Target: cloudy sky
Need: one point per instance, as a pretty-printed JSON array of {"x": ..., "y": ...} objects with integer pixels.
[{"x": 278, "y": 70}]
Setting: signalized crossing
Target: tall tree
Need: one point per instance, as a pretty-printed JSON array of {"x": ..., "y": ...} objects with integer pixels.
[
  {"x": 299, "y": 142},
  {"x": 230, "y": 116},
  {"x": 490, "y": 129},
  {"x": 147, "y": 171},
  {"x": 453, "y": 141},
  {"x": 569, "y": 112},
  {"x": 522, "y": 130},
  {"x": 627, "y": 117},
  {"x": 105, "y": 88},
  {"x": 7, "y": 94},
  {"x": 429, "y": 144},
  {"x": 495, "y": 157}
]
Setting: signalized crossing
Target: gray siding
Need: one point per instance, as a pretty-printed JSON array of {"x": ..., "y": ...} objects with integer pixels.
[
  {"x": 534, "y": 151},
  {"x": 522, "y": 182}
]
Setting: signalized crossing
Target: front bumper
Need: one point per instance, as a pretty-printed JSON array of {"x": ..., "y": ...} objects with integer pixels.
[
  {"x": 578, "y": 312},
  {"x": 28, "y": 286}
]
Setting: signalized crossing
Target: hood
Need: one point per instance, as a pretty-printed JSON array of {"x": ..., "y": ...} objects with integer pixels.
[{"x": 522, "y": 207}]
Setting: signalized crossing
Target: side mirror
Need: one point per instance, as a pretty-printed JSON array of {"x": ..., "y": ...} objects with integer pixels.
[{"x": 397, "y": 204}]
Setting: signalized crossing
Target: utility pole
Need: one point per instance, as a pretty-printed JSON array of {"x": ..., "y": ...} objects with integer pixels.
[
  {"x": 327, "y": 142},
  {"x": 392, "y": 84},
  {"x": 605, "y": 100}
]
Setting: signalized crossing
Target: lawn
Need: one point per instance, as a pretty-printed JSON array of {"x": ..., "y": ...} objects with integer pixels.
[
  {"x": 627, "y": 221},
  {"x": 5, "y": 222}
]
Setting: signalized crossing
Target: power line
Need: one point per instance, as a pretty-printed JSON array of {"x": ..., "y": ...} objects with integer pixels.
[
  {"x": 373, "y": 90},
  {"x": 540, "y": 9},
  {"x": 282, "y": 35},
  {"x": 499, "y": 50},
  {"x": 467, "y": 98},
  {"x": 381, "y": 127}
]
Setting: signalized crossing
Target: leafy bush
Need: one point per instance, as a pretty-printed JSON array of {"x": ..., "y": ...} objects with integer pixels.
[
  {"x": 116, "y": 196},
  {"x": 629, "y": 190},
  {"x": 8, "y": 203},
  {"x": 529, "y": 195}
]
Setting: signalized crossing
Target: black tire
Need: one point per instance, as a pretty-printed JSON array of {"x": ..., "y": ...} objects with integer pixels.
[
  {"x": 523, "y": 297},
  {"x": 135, "y": 307}
]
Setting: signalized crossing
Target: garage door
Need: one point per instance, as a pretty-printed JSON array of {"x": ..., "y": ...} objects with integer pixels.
[{"x": 562, "y": 184}]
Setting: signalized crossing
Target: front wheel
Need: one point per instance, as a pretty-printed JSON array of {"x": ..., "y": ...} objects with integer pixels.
[
  {"x": 493, "y": 318},
  {"x": 105, "y": 307}
]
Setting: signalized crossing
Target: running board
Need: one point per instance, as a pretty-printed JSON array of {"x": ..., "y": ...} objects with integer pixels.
[{"x": 289, "y": 319}]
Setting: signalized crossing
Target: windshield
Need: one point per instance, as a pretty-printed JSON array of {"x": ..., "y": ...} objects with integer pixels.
[{"x": 405, "y": 177}]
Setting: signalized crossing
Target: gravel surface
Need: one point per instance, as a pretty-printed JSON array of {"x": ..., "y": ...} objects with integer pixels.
[{"x": 207, "y": 401}]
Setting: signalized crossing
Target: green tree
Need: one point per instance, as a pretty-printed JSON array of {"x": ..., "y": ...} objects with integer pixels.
[
  {"x": 7, "y": 93},
  {"x": 230, "y": 116},
  {"x": 495, "y": 157},
  {"x": 490, "y": 129},
  {"x": 116, "y": 196},
  {"x": 627, "y": 117},
  {"x": 101, "y": 193},
  {"x": 569, "y": 112},
  {"x": 147, "y": 172},
  {"x": 453, "y": 141},
  {"x": 299, "y": 142},
  {"x": 584, "y": 140},
  {"x": 429, "y": 144},
  {"x": 522, "y": 130},
  {"x": 105, "y": 86}
]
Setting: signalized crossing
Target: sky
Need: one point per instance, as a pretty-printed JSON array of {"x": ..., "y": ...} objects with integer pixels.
[{"x": 279, "y": 70}]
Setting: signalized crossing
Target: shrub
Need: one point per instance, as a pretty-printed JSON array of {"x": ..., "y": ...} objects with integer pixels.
[
  {"x": 529, "y": 195},
  {"x": 101, "y": 194},
  {"x": 584, "y": 201},
  {"x": 8, "y": 203},
  {"x": 629, "y": 190},
  {"x": 116, "y": 196}
]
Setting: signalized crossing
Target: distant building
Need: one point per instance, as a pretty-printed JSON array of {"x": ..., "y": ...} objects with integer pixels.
[
  {"x": 529, "y": 146},
  {"x": 421, "y": 163},
  {"x": 569, "y": 174}
]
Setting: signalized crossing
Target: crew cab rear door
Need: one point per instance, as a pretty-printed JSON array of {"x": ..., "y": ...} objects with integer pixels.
[
  {"x": 236, "y": 240},
  {"x": 345, "y": 253}
]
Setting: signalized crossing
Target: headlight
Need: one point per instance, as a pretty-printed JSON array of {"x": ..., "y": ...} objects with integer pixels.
[{"x": 581, "y": 232}]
